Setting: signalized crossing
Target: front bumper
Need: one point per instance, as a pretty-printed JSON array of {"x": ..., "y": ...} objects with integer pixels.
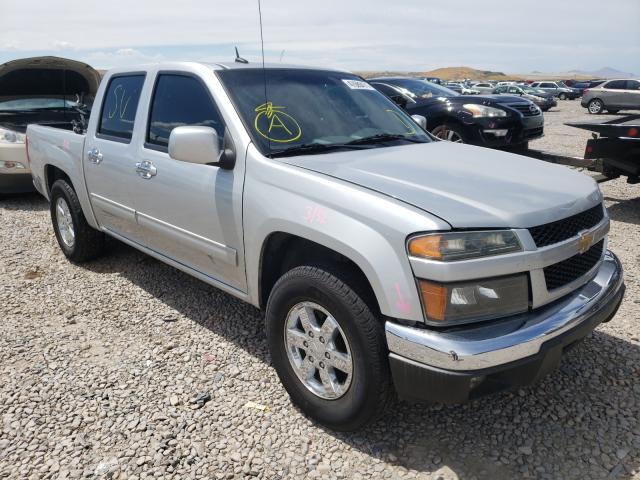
[
  {"x": 461, "y": 364},
  {"x": 15, "y": 180}
]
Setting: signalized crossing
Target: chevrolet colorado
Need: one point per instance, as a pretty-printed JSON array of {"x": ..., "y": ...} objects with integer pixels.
[{"x": 384, "y": 259}]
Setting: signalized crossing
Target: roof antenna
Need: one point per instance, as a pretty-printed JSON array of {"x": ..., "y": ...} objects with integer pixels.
[
  {"x": 264, "y": 70},
  {"x": 239, "y": 59}
]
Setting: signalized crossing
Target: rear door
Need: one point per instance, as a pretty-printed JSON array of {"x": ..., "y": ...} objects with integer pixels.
[
  {"x": 632, "y": 94},
  {"x": 190, "y": 213},
  {"x": 109, "y": 156}
]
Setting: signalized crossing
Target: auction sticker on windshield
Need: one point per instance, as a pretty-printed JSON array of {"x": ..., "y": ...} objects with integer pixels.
[{"x": 357, "y": 84}]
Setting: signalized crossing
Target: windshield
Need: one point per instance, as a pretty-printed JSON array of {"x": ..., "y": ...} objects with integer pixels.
[
  {"x": 530, "y": 90},
  {"x": 23, "y": 104},
  {"x": 312, "y": 111},
  {"x": 419, "y": 89}
]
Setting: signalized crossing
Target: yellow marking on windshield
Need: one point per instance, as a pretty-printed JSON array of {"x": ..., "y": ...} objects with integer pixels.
[
  {"x": 410, "y": 128},
  {"x": 275, "y": 125}
]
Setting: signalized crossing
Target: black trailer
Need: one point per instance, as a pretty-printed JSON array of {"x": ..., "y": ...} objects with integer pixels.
[{"x": 614, "y": 149}]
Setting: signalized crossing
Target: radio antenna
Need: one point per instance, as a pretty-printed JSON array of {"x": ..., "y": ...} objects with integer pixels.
[
  {"x": 239, "y": 59},
  {"x": 264, "y": 70}
]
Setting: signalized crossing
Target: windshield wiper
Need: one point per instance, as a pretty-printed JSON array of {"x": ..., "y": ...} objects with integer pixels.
[
  {"x": 384, "y": 137},
  {"x": 311, "y": 148}
]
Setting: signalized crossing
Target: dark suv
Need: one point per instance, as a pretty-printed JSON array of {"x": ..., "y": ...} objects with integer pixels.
[{"x": 488, "y": 121}]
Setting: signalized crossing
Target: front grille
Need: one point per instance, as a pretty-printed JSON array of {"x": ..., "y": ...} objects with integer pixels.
[
  {"x": 560, "y": 230},
  {"x": 533, "y": 132},
  {"x": 526, "y": 109},
  {"x": 565, "y": 272}
]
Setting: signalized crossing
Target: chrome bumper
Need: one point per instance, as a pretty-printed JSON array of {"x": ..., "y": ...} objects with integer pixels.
[{"x": 485, "y": 346}]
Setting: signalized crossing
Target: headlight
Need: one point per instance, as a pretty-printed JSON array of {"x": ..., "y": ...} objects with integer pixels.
[
  {"x": 464, "y": 302},
  {"x": 452, "y": 246},
  {"x": 484, "y": 111},
  {"x": 9, "y": 136}
]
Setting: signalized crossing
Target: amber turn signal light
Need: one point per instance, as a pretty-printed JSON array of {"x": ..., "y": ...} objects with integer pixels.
[{"x": 427, "y": 246}]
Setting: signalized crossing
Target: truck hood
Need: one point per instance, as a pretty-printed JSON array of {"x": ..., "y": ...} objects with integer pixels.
[{"x": 467, "y": 186}]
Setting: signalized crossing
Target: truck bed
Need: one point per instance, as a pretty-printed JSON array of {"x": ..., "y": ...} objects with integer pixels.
[{"x": 54, "y": 147}]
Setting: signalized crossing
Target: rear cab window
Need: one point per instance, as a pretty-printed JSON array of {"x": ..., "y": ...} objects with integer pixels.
[
  {"x": 119, "y": 107},
  {"x": 180, "y": 99}
]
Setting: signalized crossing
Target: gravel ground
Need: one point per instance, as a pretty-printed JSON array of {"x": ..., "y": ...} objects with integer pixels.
[{"x": 127, "y": 368}]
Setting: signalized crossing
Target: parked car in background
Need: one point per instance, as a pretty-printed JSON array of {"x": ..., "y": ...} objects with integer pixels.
[
  {"x": 542, "y": 99},
  {"x": 435, "y": 80},
  {"x": 563, "y": 93},
  {"x": 461, "y": 88},
  {"x": 383, "y": 260},
  {"x": 613, "y": 95},
  {"x": 484, "y": 87},
  {"x": 489, "y": 121},
  {"x": 43, "y": 90}
]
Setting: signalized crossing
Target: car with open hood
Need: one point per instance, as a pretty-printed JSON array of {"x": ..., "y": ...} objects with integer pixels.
[{"x": 42, "y": 90}]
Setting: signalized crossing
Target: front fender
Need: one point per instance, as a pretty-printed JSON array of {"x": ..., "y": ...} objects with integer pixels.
[{"x": 367, "y": 227}]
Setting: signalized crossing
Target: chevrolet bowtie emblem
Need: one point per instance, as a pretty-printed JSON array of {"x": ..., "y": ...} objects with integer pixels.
[{"x": 585, "y": 241}]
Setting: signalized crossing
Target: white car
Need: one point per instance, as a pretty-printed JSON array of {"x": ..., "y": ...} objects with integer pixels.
[{"x": 42, "y": 90}]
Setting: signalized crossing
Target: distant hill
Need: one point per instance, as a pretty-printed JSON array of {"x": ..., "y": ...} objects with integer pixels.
[
  {"x": 448, "y": 73},
  {"x": 605, "y": 72}
]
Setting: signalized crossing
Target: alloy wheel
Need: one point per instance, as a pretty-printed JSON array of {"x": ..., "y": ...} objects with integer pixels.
[
  {"x": 318, "y": 350},
  {"x": 65, "y": 222},
  {"x": 448, "y": 134}
]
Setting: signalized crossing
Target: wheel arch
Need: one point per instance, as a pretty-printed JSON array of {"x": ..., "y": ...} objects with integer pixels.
[{"x": 281, "y": 251}]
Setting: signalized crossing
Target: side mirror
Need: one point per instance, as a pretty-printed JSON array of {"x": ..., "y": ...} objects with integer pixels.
[
  {"x": 201, "y": 145},
  {"x": 420, "y": 120}
]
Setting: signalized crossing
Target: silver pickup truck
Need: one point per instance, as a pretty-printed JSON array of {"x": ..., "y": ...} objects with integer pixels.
[{"x": 384, "y": 260}]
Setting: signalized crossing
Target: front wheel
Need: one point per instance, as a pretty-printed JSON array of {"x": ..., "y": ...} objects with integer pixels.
[
  {"x": 451, "y": 133},
  {"x": 562, "y": 96},
  {"x": 595, "y": 106},
  {"x": 77, "y": 239},
  {"x": 328, "y": 348}
]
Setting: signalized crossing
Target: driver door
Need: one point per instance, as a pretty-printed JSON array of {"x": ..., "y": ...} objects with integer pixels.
[{"x": 188, "y": 212}]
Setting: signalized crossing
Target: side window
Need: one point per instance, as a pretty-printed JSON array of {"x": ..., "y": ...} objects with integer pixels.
[
  {"x": 616, "y": 84},
  {"x": 119, "y": 106},
  {"x": 385, "y": 89},
  {"x": 633, "y": 85},
  {"x": 513, "y": 90},
  {"x": 180, "y": 100}
]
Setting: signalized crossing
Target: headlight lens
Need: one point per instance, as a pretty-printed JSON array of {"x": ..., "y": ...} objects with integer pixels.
[
  {"x": 484, "y": 111},
  {"x": 9, "y": 136},
  {"x": 452, "y": 246},
  {"x": 463, "y": 302}
]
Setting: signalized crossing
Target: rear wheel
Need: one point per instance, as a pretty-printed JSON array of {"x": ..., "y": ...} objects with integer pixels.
[
  {"x": 328, "y": 347},
  {"x": 451, "y": 133},
  {"x": 595, "y": 106},
  {"x": 78, "y": 241}
]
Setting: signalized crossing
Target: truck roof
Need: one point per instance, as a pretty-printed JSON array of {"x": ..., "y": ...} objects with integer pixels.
[{"x": 218, "y": 66}]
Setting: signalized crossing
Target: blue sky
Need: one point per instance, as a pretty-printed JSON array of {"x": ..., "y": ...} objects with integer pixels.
[{"x": 510, "y": 36}]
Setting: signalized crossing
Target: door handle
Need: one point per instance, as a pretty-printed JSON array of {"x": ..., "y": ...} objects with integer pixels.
[
  {"x": 146, "y": 169},
  {"x": 94, "y": 155}
]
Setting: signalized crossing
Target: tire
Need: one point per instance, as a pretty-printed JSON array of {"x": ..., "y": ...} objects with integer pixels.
[
  {"x": 359, "y": 398},
  {"x": 78, "y": 241},
  {"x": 595, "y": 106},
  {"x": 562, "y": 96},
  {"x": 451, "y": 133},
  {"x": 612, "y": 111}
]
